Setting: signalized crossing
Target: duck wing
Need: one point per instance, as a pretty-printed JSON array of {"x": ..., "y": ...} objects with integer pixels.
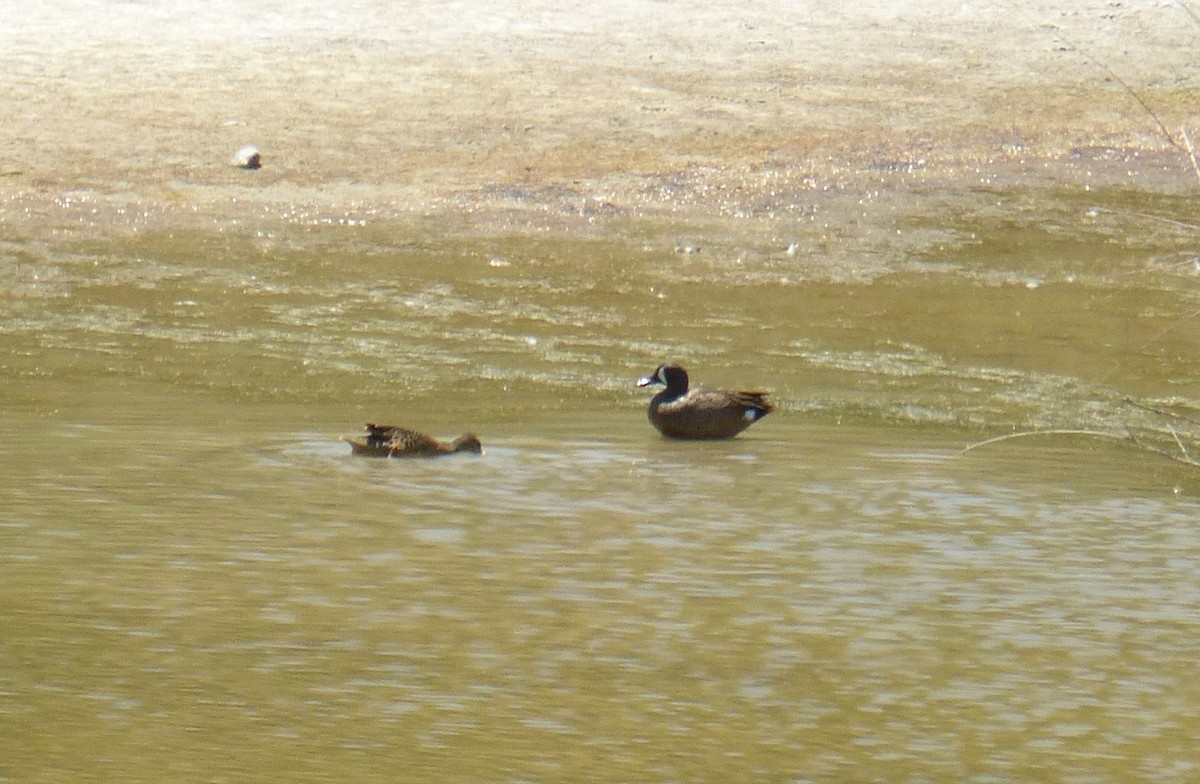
[{"x": 393, "y": 441}]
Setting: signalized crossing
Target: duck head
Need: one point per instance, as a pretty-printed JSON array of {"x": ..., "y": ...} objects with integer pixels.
[
  {"x": 673, "y": 377},
  {"x": 467, "y": 442}
]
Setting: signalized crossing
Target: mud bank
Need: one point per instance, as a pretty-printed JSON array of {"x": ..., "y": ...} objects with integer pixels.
[{"x": 123, "y": 114}]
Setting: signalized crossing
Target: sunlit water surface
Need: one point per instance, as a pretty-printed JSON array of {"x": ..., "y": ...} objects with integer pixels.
[{"x": 200, "y": 582}]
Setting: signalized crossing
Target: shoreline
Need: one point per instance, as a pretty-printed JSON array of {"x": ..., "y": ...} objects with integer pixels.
[{"x": 624, "y": 108}]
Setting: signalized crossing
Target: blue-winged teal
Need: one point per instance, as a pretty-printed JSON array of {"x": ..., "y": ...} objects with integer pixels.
[
  {"x": 392, "y": 441},
  {"x": 679, "y": 412}
]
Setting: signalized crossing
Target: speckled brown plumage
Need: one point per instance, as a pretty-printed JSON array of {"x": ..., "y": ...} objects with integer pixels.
[{"x": 392, "y": 441}]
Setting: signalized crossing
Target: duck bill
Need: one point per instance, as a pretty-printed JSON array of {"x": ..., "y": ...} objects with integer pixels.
[{"x": 646, "y": 381}]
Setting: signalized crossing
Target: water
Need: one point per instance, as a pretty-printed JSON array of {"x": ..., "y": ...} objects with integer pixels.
[
  {"x": 814, "y": 601},
  {"x": 496, "y": 217},
  {"x": 200, "y": 582}
]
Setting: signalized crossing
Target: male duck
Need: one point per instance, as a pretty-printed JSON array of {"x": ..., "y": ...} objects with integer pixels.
[
  {"x": 392, "y": 441},
  {"x": 701, "y": 413}
]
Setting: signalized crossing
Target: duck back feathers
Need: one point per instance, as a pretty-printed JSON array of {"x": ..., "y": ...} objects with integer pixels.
[{"x": 392, "y": 441}]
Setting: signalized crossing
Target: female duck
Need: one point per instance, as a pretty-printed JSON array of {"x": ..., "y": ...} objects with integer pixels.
[{"x": 392, "y": 441}]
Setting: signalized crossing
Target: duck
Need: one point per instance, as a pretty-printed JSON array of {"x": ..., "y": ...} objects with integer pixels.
[
  {"x": 698, "y": 412},
  {"x": 392, "y": 441}
]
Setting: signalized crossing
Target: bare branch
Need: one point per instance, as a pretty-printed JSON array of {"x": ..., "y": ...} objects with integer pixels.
[
  {"x": 1132, "y": 93},
  {"x": 1131, "y": 439},
  {"x": 1160, "y": 411},
  {"x": 1059, "y": 432},
  {"x": 1179, "y": 443},
  {"x": 1190, "y": 151}
]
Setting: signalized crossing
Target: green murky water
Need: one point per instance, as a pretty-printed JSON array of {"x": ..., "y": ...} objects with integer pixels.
[{"x": 200, "y": 584}]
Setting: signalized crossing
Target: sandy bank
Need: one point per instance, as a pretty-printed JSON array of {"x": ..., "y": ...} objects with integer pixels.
[{"x": 378, "y": 108}]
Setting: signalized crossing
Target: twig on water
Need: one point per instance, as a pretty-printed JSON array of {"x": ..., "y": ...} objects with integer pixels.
[
  {"x": 1179, "y": 443},
  {"x": 1160, "y": 411},
  {"x": 1130, "y": 439},
  {"x": 1057, "y": 432},
  {"x": 1148, "y": 216},
  {"x": 1190, "y": 151},
  {"x": 1184, "y": 458},
  {"x": 1162, "y": 335}
]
